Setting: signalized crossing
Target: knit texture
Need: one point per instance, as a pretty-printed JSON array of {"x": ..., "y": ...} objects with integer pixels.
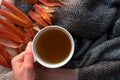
[
  {"x": 86, "y": 18},
  {"x": 95, "y": 27}
]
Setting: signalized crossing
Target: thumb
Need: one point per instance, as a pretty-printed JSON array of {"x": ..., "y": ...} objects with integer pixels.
[{"x": 28, "y": 58}]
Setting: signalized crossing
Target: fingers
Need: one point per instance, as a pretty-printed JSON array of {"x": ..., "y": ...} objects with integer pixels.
[
  {"x": 28, "y": 57},
  {"x": 22, "y": 65},
  {"x": 25, "y": 58},
  {"x": 18, "y": 60},
  {"x": 19, "y": 57}
]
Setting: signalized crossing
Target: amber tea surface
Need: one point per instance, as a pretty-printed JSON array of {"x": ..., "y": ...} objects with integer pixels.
[{"x": 53, "y": 46}]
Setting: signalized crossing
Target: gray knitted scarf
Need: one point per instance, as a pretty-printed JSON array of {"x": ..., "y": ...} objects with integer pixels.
[{"x": 95, "y": 26}]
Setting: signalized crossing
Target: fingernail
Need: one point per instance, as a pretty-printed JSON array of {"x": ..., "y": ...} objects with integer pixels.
[
  {"x": 30, "y": 43},
  {"x": 29, "y": 47}
]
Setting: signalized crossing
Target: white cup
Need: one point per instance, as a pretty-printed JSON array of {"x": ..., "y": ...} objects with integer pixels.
[{"x": 40, "y": 60}]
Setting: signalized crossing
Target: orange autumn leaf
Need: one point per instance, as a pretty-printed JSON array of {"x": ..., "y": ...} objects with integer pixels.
[
  {"x": 42, "y": 12},
  {"x": 16, "y": 11},
  {"x": 37, "y": 18}
]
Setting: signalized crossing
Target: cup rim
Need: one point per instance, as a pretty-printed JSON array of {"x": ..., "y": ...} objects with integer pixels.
[{"x": 49, "y": 65}]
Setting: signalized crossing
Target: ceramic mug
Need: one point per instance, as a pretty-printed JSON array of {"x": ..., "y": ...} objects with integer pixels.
[{"x": 53, "y": 46}]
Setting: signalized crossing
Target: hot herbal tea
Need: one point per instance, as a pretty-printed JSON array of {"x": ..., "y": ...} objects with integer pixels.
[{"x": 53, "y": 46}]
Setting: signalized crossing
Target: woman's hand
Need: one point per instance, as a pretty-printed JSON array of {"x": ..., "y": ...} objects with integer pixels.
[
  {"x": 22, "y": 64},
  {"x": 23, "y": 69}
]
